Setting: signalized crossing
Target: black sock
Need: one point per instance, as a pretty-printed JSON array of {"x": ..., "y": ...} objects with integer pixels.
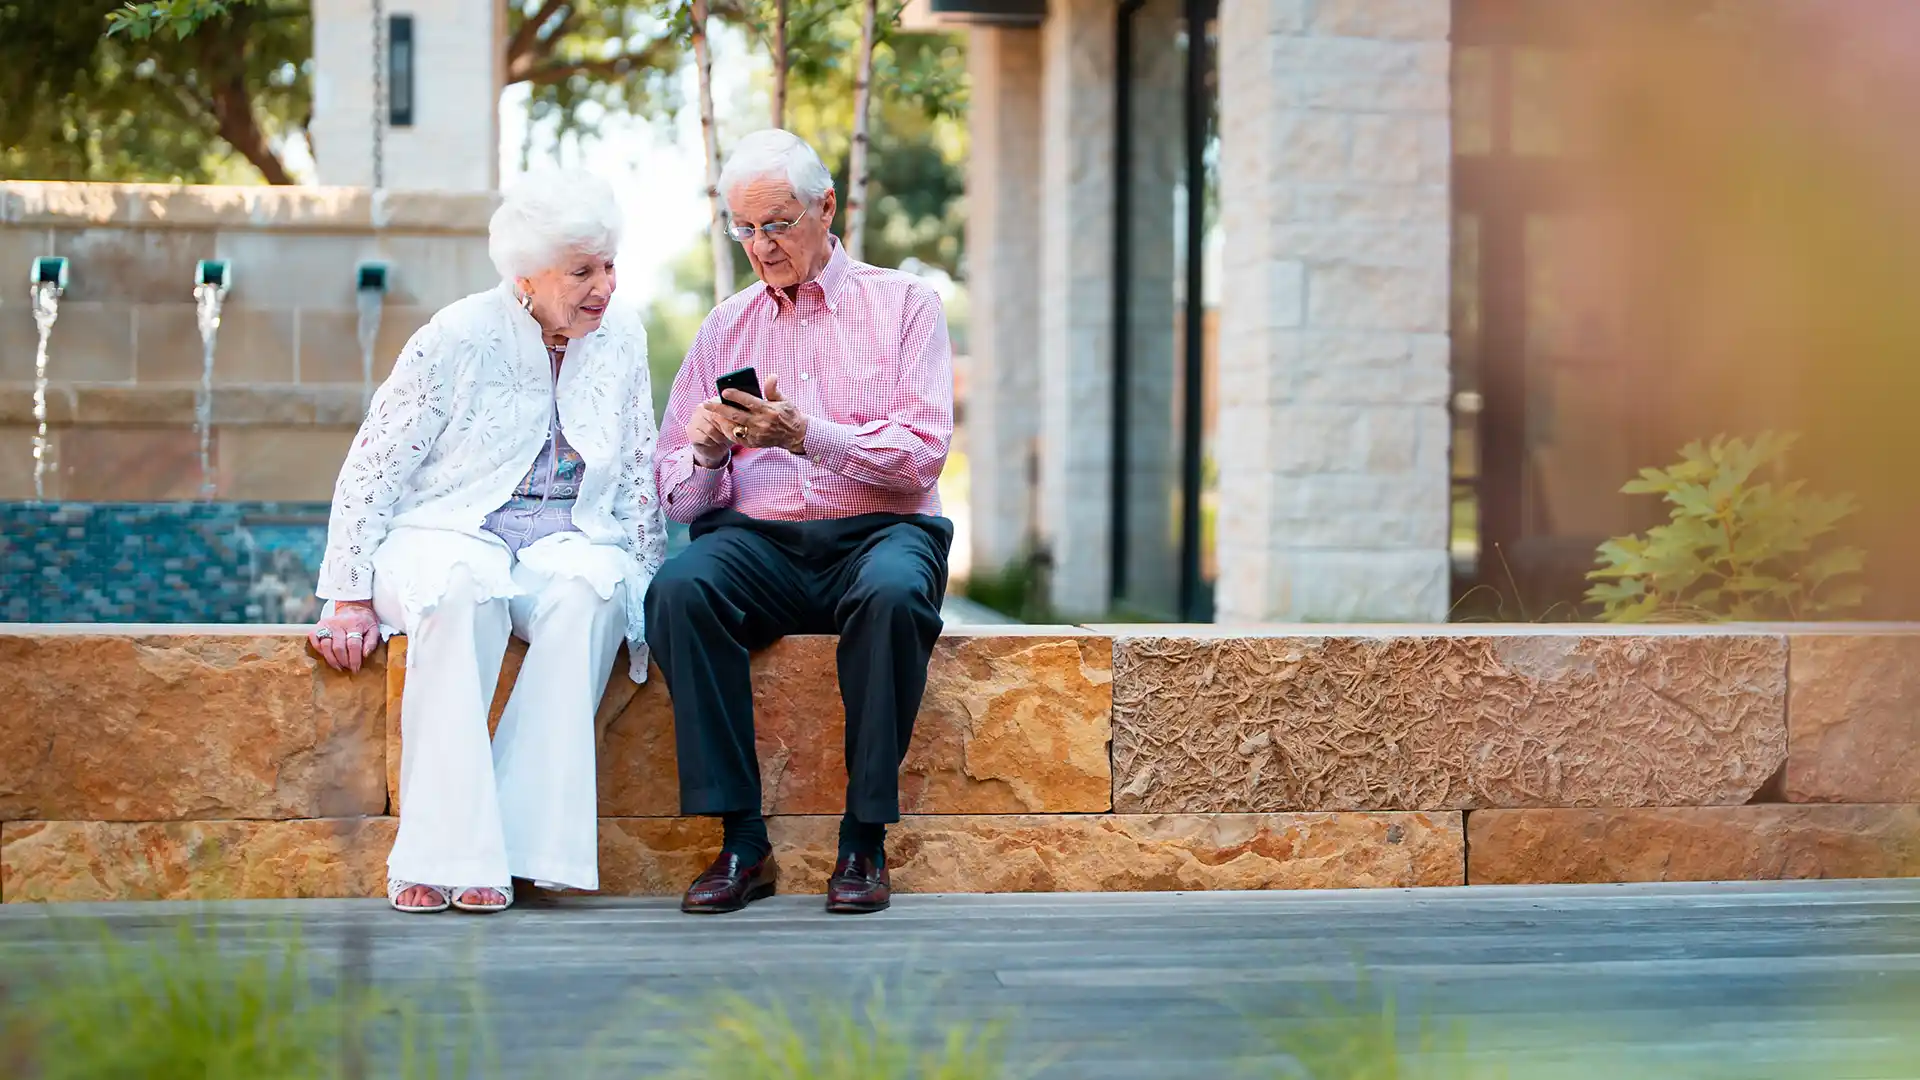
[
  {"x": 862, "y": 838},
  {"x": 745, "y": 835}
]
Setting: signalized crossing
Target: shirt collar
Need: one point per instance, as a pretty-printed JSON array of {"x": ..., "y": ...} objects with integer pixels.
[{"x": 831, "y": 281}]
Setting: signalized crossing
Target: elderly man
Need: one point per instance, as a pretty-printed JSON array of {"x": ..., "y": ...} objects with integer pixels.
[{"x": 813, "y": 510}]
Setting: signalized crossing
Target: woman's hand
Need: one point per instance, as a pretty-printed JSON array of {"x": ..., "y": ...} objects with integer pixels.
[{"x": 347, "y": 637}]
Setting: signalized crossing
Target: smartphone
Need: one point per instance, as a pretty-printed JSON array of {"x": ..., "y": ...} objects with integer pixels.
[{"x": 746, "y": 380}]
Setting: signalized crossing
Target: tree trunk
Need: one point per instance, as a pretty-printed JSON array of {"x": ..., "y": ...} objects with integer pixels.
[
  {"x": 717, "y": 227},
  {"x": 857, "y": 157},
  {"x": 229, "y": 99},
  {"x": 780, "y": 63}
]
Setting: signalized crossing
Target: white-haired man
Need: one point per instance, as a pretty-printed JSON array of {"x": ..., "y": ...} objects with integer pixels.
[{"x": 813, "y": 510}]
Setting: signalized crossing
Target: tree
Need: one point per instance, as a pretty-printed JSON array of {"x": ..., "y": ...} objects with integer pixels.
[
  {"x": 781, "y": 60},
  {"x": 862, "y": 111},
  {"x": 170, "y": 89},
  {"x": 917, "y": 141},
  {"x": 81, "y": 105},
  {"x": 710, "y": 140}
]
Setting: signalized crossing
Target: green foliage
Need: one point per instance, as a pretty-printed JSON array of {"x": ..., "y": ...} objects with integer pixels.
[
  {"x": 197, "y": 1007},
  {"x": 743, "y": 1039},
  {"x": 1741, "y": 543},
  {"x": 182, "y": 17},
  {"x": 586, "y": 60},
  {"x": 88, "y": 100}
]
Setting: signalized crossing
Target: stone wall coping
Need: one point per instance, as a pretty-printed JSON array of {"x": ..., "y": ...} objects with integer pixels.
[{"x": 59, "y": 204}]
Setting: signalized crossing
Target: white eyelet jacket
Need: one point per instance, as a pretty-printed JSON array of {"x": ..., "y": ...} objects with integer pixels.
[{"x": 453, "y": 430}]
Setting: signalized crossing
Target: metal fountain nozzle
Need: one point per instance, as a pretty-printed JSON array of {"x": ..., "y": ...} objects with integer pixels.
[
  {"x": 49, "y": 270},
  {"x": 216, "y": 274},
  {"x": 370, "y": 276}
]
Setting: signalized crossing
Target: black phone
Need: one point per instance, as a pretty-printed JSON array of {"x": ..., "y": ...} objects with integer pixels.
[{"x": 746, "y": 380}]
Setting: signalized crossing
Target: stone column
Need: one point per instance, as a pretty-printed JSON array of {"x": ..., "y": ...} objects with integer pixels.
[
  {"x": 1076, "y": 321},
  {"x": 1003, "y": 283},
  {"x": 1334, "y": 354},
  {"x": 453, "y": 143}
]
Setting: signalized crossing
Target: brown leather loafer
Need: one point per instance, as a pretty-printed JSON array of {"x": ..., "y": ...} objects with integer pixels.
[
  {"x": 729, "y": 885},
  {"x": 859, "y": 886}
]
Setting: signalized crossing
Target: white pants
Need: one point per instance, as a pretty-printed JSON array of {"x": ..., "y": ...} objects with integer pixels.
[{"x": 470, "y": 814}]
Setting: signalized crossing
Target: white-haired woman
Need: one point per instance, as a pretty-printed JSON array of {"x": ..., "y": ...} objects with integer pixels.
[{"x": 503, "y": 484}]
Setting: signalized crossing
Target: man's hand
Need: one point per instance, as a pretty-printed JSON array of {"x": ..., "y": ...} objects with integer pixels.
[
  {"x": 770, "y": 422},
  {"x": 352, "y": 633},
  {"x": 708, "y": 430}
]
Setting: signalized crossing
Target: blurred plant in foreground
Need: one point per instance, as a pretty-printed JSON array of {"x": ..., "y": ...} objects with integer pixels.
[
  {"x": 1739, "y": 544},
  {"x": 747, "y": 1040},
  {"x": 184, "y": 1008}
]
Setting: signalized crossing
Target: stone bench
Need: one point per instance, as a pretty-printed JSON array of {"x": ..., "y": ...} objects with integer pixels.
[{"x": 177, "y": 762}]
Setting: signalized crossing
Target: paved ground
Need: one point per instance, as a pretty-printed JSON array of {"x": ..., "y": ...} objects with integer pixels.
[{"x": 1815, "y": 980}]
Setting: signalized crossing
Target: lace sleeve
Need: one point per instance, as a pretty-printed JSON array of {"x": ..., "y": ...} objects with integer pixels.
[
  {"x": 407, "y": 414},
  {"x": 638, "y": 501}
]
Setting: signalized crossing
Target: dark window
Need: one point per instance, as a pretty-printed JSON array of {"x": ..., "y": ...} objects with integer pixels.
[{"x": 400, "y": 71}]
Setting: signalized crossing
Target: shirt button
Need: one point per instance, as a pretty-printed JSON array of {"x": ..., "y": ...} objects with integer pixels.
[
  {"x": 804, "y": 322},
  {"x": 803, "y": 376},
  {"x": 809, "y": 485}
]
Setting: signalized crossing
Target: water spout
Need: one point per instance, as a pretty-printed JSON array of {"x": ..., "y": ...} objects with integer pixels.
[
  {"x": 48, "y": 281},
  {"x": 212, "y": 278},
  {"x": 370, "y": 291}
]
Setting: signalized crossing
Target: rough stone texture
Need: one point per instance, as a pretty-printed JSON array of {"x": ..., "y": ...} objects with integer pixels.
[
  {"x": 1009, "y": 724},
  {"x": 1111, "y": 853},
  {"x": 64, "y": 861},
  {"x": 1716, "y": 843},
  {"x": 196, "y": 723},
  {"x": 1447, "y": 721},
  {"x": 651, "y": 856},
  {"x": 1853, "y": 718},
  {"x": 205, "y": 860}
]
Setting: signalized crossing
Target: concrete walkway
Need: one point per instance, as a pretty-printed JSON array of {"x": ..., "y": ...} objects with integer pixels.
[{"x": 1803, "y": 980}]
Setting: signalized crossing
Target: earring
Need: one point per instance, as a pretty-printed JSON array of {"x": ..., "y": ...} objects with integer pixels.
[{"x": 525, "y": 297}]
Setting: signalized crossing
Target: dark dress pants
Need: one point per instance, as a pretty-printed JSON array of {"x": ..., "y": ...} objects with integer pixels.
[{"x": 875, "y": 580}]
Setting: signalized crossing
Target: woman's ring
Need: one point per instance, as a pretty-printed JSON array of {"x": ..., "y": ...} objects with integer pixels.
[
  {"x": 323, "y": 633},
  {"x": 739, "y": 433},
  {"x": 355, "y": 635}
]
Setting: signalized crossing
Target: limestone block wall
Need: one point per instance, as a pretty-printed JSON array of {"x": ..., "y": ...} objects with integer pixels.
[
  {"x": 125, "y": 355},
  {"x": 208, "y": 762},
  {"x": 1334, "y": 186},
  {"x": 454, "y": 141}
]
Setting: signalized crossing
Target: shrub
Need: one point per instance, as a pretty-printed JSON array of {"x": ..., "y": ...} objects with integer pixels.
[{"x": 1742, "y": 542}]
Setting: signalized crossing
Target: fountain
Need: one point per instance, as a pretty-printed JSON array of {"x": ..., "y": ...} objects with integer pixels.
[
  {"x": 370, "y": 290},
  {"x": 212, "y": 278},
  {"x": 47, "y": 281}
]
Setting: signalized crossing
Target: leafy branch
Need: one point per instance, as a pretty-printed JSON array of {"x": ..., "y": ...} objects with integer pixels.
[{"x": 1741, "y": 542}]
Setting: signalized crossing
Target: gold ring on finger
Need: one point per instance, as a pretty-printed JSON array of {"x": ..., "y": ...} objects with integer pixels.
[{"x": 739, "y": 433}]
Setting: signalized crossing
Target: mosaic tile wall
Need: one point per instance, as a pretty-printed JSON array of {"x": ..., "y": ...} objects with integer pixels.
[{"x": 171, "y": 562}]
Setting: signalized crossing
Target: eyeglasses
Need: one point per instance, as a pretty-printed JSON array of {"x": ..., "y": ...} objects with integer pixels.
[{"x": 773, "y": 229}]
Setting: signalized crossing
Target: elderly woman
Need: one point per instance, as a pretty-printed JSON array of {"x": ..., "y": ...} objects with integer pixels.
[{"x": 503, "y": 483}]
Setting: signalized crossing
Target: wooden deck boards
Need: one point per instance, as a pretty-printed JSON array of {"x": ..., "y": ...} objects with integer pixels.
[{"x": 1789, "y": 980}]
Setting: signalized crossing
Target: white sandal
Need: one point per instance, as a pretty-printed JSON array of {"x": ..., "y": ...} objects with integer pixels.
[
  {"x": 397, "y": 888},
  {"x": 484, "y": 909}
]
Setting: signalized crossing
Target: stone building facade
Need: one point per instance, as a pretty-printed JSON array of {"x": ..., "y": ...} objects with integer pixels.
[
  {"x": 441, "y": 60},
  {"x": 1319, "y": 269}
]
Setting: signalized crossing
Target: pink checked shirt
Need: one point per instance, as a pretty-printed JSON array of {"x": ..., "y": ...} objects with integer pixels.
[{"x": 863, "y": 352}]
